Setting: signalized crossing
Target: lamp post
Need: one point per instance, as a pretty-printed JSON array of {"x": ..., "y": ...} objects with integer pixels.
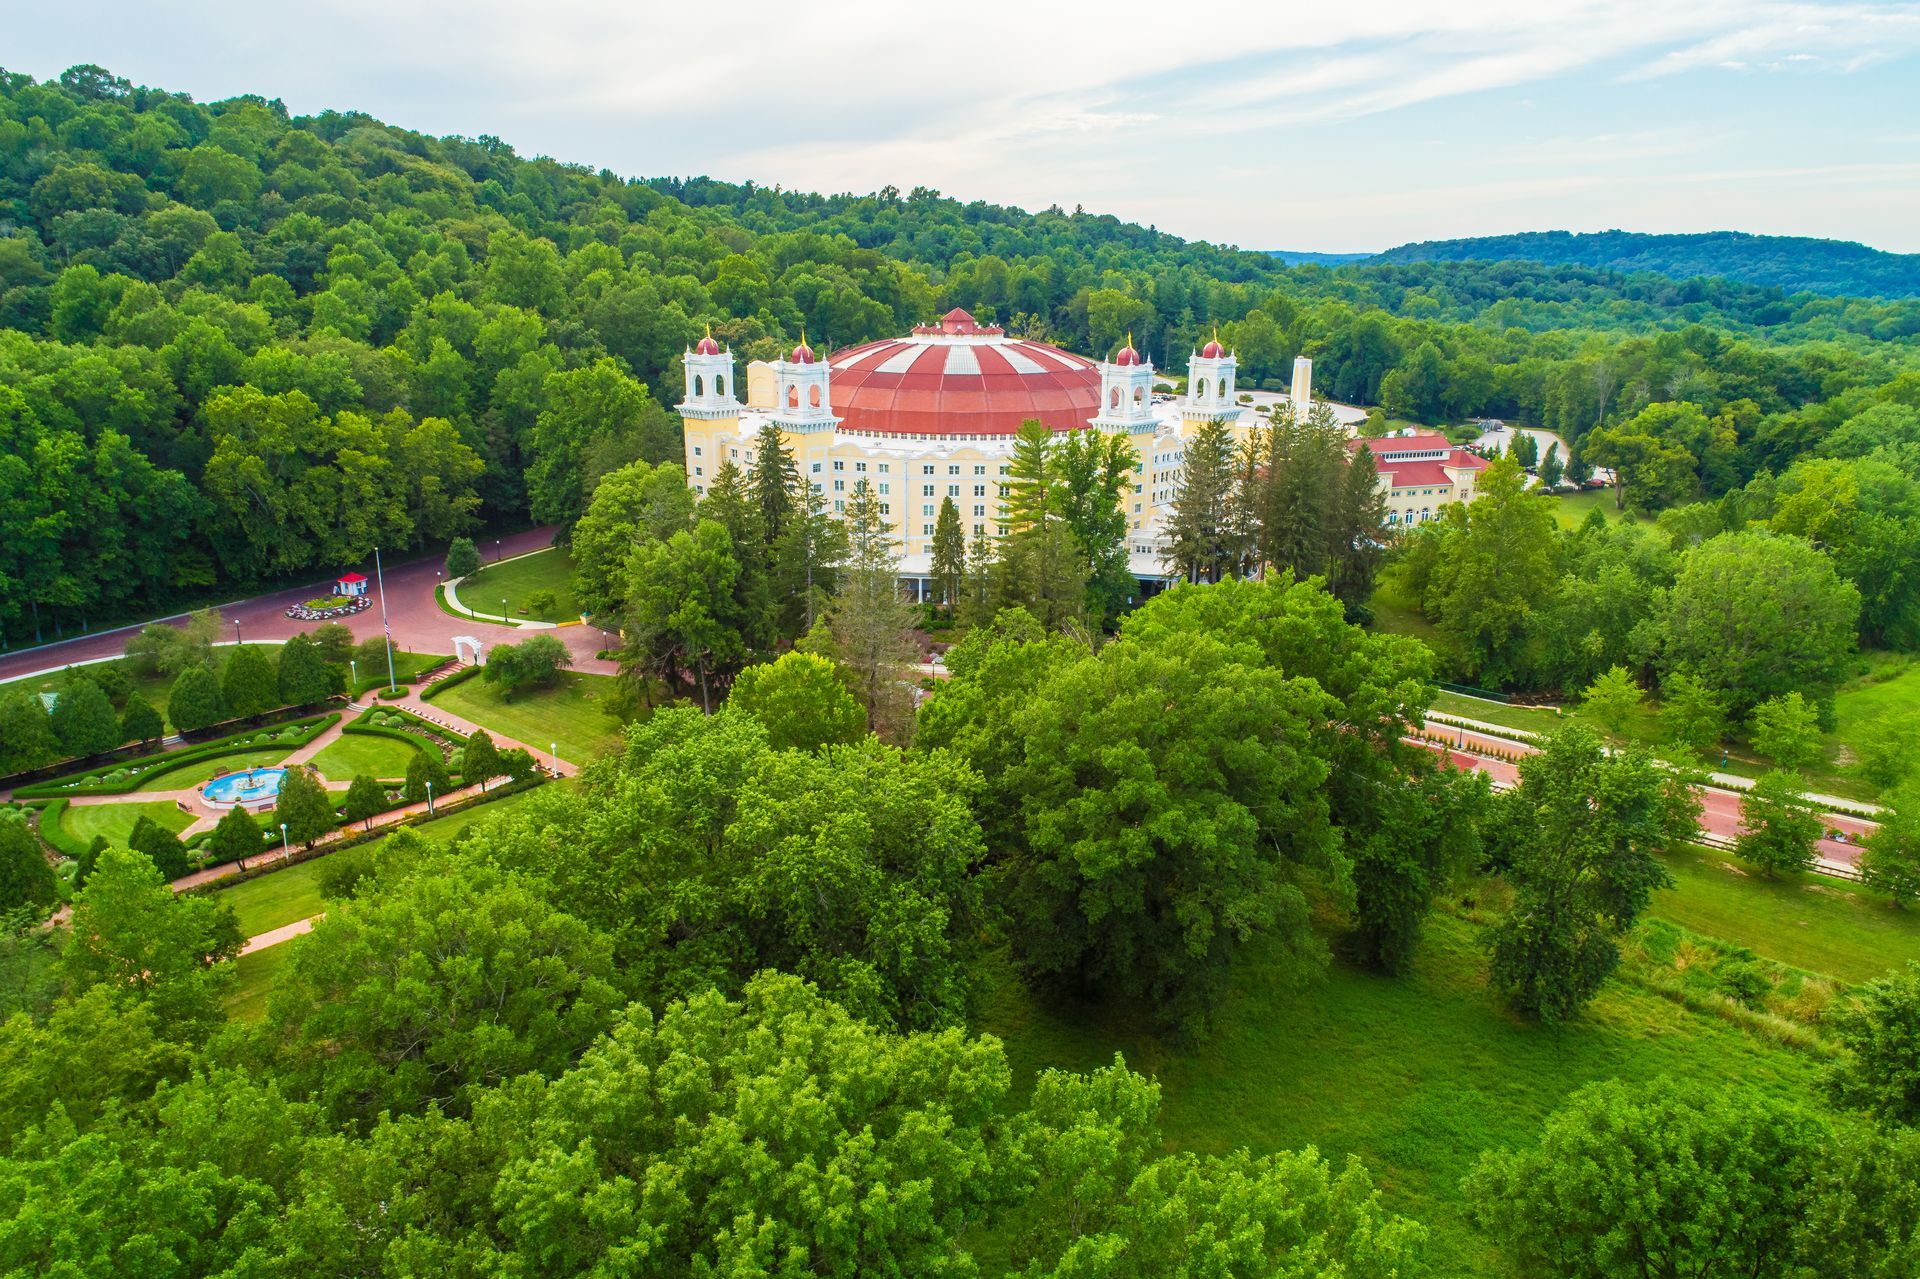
[
  {"x": 496, "y": 550},
  {"x": 353, "y": 674},
  {"x": 553, "y": 757},
  {"x": 429, "y": 798},
  {"x": 236, "y": 630},
  {"x": 503, "y": 611},
  {"x": 286, "y": 849},
  {"x": 387, "y": 631}
]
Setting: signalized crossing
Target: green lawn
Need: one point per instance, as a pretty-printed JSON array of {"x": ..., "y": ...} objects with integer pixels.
[
  {"x": 191, "y": 775},
  {"x": 1571, "y": 509},
  {"x": 406, "y": 665},
  {"x": 516, "y": 580},
  {"x": 1535, "y": 719},
  {"x": 254, "y": 976},
  {"x": 571, "y": 714},
  {"x": 1415, "y": 1075},
  {"x": 349, "y": 755},
  {"x": 1812, "y": 922},
  {"x": 276, "y": 898},
  {"x": 116, "y": 821}
]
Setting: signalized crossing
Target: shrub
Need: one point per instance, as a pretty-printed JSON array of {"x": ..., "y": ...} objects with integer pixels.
[
  {"x": 543, "y": 601},
  {"x": 327, "y": 601},
  {"x": 394, "y": 693}
]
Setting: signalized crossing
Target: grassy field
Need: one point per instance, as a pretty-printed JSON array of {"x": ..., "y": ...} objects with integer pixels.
[
  {"x": 254, "y": 976},
  {"x": 116, "y": 821},
  {"x": 347, "y": 756},
  {"x": 276, "y": 898},
  {"x": 517, "y": 580},
  {"x": 406, "y": 665},
  {"x": 1534, "y": 719},
  {"x": 1415, "y": 1075},
  {"x": 1819, "y": 924},
  {"x": 571, "y": 714},
  {"x": 1571, "y": 509},
  {"x": 445, "y": 828}
]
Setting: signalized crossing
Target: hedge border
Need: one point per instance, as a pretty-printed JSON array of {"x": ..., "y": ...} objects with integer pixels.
[
  {"x": 380, "y": 832},
  {"x": 168, "y": 761},
  {"x": 460, "y": 676},
  {"x": 378, "y": 730},
  {"x": 55, "y": 835}
]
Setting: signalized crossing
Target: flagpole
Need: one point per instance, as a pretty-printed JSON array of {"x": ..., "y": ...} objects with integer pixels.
[{"x": 381, "y": 578}]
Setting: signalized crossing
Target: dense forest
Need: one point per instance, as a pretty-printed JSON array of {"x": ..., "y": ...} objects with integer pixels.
[
  {"x": 1791, "y": 262},
  {"x": 240, "y": 346}
]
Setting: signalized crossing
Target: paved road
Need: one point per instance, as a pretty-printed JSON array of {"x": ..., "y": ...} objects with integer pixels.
[
  {"x": 1720, "y": 807},
  {"x": 417, "y": 622}
]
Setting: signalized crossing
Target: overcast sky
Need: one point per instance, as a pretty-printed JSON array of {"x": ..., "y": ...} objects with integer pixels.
[{"x": 1340, "y": 125}]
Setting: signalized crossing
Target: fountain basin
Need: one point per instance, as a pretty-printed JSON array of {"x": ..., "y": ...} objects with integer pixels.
[{"x": 254, "y": 788}]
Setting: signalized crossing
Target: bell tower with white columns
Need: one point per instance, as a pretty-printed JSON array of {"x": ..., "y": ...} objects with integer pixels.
[
  {"x": 1211, "y": 384},
  {"x": 709, "y": 415},
  {"x": 803, "y": 398},
  {"x": 1126, "y": 393}
]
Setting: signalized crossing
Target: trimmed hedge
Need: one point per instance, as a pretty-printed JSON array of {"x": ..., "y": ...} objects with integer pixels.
[
  {"x": 381, "y": 730},
  {"x": 56, "y": 835},
  {"x": 93, "y": 781},
  {"x": 460, "y": 676}
]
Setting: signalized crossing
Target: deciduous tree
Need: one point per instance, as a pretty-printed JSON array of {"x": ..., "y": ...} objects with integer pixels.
[
  {"x": 801, "y": 701},
  {"x": 83, "y": 719},
  {"x": 1778, "y": 827},
  {"x": 236, "y": 836},
  {"x": 1880, "y": 1069},
  {"x": 195, "y": 701},
  {"x": 248, "y": 683}
]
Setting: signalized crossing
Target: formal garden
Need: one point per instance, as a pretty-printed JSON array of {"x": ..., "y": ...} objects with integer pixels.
[{"x": 536, "y": 587}]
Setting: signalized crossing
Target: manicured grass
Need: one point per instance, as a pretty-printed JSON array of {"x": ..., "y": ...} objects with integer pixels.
[
  {"x": 1822, "y": 925},
  {"x": 443, "y": 829},
  {"x": 406, "y": 665},
  {"x": 1415, "y": 1075},
  {"x": 349, "y": 755},
  {"x": 1533, "y": 719},
  {"x": 1571, "y": 509},
  {"x": 517, "y": 580},
  {"x": 571, "y": 713},
  {"x": 276, "y": 898},
  {"x": 116, "y": 821},
  {"x": 193, "y": 774},
  {"x": 254, "y": 978}
]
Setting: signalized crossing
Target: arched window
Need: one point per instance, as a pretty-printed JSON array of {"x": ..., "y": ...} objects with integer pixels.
[
  {"x": 813, "y": 396},
  {"x": 720, "y": 385},
  {"x": 1203, "y": 388},
  {"x": 793, "y": 397},
  {"x": 1113, "y": 401},
  {"x": 1139, "y": 395},
  {"x": 697, "y": 392}
]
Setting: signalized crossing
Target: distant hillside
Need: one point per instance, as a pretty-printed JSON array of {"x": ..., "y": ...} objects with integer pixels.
[
  {"x": 1292, "y": 257},
  {"x": 1793, "y": 263}
]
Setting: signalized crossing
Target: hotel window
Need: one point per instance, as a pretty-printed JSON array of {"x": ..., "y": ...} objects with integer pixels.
[
  {"x": 979, "y": 490},
  {"x": 696, "y": 450},
  {"x": 1003, "y": 470},
  {"x": 926, "y": 530},
  {"x": 838, "y": 465},
  {"x": 884, "y": 468},
  {"x": 885, "y": 509},
  {"x": 839, "y": 486},
  {"x": 953, "y": 470},
  {"x": 979, "y": 530},
  {"x": 883, "y": 488},
  {"x": 838, "y": 507},
  {"x": 926, "y": 490},
  {"x": 953, "y": 490},
  {"x": 859, "y": 466},
  {"x": 816, "y": 468},
  {"x": 926, "y": 470},
  {"x": 979, "y": 470},
  {"x": 979, "y": 510},
  {"x": 735, "y": 452},
  {"x": 927, "y": 509},
  {"x": 697, "y": 471}
]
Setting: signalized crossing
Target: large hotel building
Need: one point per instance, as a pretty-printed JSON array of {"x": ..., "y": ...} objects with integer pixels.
[{"x": 933, "y": 415}]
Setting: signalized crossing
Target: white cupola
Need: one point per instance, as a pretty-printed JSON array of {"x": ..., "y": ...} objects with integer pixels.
[
  {"x": 709, "y": 371},
  {"x": 1211, "y": 373},
  {"x": 803, "y": 400},
  {"x": 1126, "y": 393}
]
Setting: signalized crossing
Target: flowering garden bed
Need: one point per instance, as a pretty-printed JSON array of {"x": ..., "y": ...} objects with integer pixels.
[{"x": 329, "y": 607}]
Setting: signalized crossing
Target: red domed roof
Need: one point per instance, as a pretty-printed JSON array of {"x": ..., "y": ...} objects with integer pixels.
[
  {"x": 1128, "y": 356},
  {"x": 706, "y": 345},
  {"x": 949, "y": 384},
  {"x": 802, "y": 354},
  {"x": 1213, "y": 350}
]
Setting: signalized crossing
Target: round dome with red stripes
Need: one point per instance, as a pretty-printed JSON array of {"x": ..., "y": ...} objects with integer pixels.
[{"x": 960, "y": 377}]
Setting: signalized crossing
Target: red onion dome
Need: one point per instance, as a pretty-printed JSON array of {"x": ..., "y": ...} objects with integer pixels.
[
  {"x": 707, "y": 346},
  {"x": 802, "y": 354},
  {"x": 1213, "y": 350},
  {"x": 1127, "y": 356}
]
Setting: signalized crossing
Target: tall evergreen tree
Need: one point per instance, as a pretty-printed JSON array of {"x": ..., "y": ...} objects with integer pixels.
[
  {"x": 806, "y": 560},
  {"x": 1200, "y": 528},
  {"x": 304, "y": 678},
  {"x": 1355, "y": 548},
  {"x": 730, "y": 503},
  {"x": 249, "y": 683},
  {"x": 949, "y": 555},
  {"x": 872, "y": 624},
  {"x": 195, "y": 701},
  {"x": 139, "y": 722},
  {"x": 83, "y": 719},
  {"x": 775, "y": 481}
]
